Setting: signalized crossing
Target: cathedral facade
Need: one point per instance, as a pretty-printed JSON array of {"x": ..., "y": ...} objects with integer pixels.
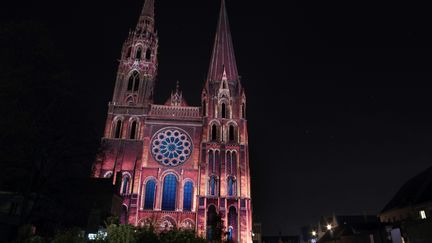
[{"x": 178, "y": 165}]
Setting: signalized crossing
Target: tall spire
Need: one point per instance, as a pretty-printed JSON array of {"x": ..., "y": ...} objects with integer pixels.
[
  {"x": 148, "y": 9},
  {"x": 223, "y": 58}
]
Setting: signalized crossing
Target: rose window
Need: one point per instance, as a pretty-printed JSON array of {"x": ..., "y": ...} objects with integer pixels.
[{"x": 171, "y": 147}]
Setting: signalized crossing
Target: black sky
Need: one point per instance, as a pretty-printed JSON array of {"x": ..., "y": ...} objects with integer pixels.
[{"x": 338, "y": 99}]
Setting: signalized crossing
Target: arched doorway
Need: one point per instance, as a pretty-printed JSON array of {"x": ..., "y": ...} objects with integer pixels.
[
  {"x": 232, "y": 224},
  {"x": 212, "y": 223}
]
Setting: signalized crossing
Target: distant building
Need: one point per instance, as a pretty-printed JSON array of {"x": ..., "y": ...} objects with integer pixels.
[
  {"x": 350, "y": 229},
  {"x": 409, "y": 214}
]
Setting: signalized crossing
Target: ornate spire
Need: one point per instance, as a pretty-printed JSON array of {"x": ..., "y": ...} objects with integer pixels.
[
  {"x": 176, "y": 98},
  {"x": 223, "y": 58}
]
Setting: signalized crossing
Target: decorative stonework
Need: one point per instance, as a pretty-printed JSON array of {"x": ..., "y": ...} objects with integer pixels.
[{"x": 171, "y": 147}]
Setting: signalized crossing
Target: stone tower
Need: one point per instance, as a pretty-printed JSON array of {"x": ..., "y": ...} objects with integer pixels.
[{"x": 176, "y": 164}]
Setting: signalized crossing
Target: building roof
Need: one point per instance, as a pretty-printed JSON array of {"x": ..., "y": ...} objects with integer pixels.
[{"x": 416, "y": 191}]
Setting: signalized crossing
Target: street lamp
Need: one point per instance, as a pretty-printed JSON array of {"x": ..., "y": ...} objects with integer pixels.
[{"x": 329, "y": 227}]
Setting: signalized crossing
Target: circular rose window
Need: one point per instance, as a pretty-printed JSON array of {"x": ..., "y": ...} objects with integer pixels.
[{"x": 171, "y": 146}]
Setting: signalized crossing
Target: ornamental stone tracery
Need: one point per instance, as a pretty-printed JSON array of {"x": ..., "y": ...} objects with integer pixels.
[{"x": 171, "y": 147}]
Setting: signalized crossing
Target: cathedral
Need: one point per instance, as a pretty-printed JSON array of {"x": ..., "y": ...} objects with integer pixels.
[{"x": 177, "y": 165}]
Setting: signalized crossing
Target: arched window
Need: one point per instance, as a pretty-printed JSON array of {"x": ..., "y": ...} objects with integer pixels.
[
  {"x": 232, "y": 223},
  {"x": 133, "y": 130},
  {"x": 214, "y": 132},
  {"x": 134, "y": 82},
  {"x": 118, "y": 128},
  {"x": 148, "y": 54},
  {"x": 212, "y": 222},
  {"x": 231, "y": 186},
  {"x": 109, "y": 174},
  {"x": 150, "y": 190},
  {"x": 212, "y": 186},
  {"x": 231, "y": 136},
  {"x": 125, "y": 185},
  {"x": 138, "y": 53},
  {"x": 169, "y": 193},
  {"x": 223, "y": 110},
  {"x": 187, "y": 196}
]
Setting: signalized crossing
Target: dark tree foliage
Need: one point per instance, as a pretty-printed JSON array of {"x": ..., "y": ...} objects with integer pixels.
[{"x": 46, "y": 139}]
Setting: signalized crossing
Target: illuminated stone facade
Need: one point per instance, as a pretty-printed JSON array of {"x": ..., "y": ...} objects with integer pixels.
[{"x": 180, "y": 164}]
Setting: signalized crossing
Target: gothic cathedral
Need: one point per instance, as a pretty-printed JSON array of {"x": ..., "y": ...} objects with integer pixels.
[{"x": 178, "y": 165}]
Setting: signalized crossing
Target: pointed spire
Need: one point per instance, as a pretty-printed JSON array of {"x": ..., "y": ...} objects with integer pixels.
[
  {"x": 223, "y": 58},
  {"x": 148, "y": 9}
]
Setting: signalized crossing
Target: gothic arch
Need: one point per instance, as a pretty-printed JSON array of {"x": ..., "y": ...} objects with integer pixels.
[
  {"x": 214, "y": 130},
  {"x": 134, "y": 128},
  {"x": 117, "y": 127},
  {"x": 170, "y": 191},
  {"x": 167, "y": 223},
  {"x": 108, "y": 174},
  {"x": 148, "y": 54},
  {"x": 232, "y": 132},
  {"x": 149, "y": 193},
  {"x": 188, "y": 224},
  {"x": 138, "y": 52},
  {"x": 232, "y": 223},
  {"x": 126, "y": 183},
  {"x": 134, "y": 78}
]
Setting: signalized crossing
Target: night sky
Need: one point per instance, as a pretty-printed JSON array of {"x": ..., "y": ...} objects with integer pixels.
[{"x": 338, "y": 99}]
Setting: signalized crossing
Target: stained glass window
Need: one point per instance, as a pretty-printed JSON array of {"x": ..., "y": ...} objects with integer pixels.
[
  {"x": 125, "y": 187},
  {"x": 212, "y": 186},
  {"x": 171, "y": 147},
  {"x": 169, "y": 193},
  {"x": 150, "y": 194},
  {"x": 187, "y": 196},
  {"x": 231, "y": 187}
]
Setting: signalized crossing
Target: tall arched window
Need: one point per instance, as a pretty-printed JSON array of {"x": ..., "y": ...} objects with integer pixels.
[
  {"x": 150, "y": 190},
  {"x": 148, "y": 54},
  {"x": 169, "y": 193},
  {"x": 232, "y": 223},
  {"x": 138, "y": 53},
  {"x": 118, "y": 128},
  {"x": 214, "y": 132},
  {"x": 223, "y": 110},
  {"x": 231, "y": 186},
  {"x": 133, "y": 130},
  {"x": 187, "y": 196},
  {"x": 134, "y": 81},
  {"x": 231, "y": 135},
  {"x": 212, "y": 186},
  {"x": 125, "y": 185}
]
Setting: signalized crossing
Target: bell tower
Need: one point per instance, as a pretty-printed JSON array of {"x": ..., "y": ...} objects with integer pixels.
[
  {"x": 225, "y": 173},
  {"x": 138, "y": 63}
]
